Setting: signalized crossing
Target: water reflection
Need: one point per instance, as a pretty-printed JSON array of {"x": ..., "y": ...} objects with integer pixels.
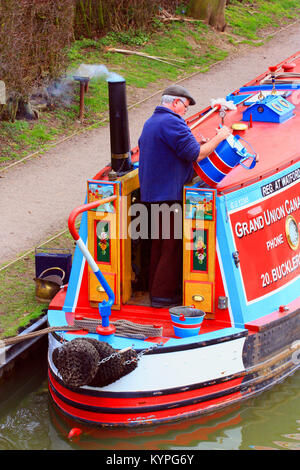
[
  {"x": 182, "y": 435},
  {"x": 29, "y": 420},
  {"x": 24, "y": 406},
  {"x": 272, "y": 416}
]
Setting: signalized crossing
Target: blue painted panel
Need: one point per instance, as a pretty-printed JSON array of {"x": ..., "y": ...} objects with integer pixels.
[
  {"x": 226, "y": 249},
  {"x": 204, "y": 337},
  {"x": 270, "y": 109},
  {"x": 77, "y": 265},
  {"x": 57, "y": 318},
  {"x": 237, "y": 99}
]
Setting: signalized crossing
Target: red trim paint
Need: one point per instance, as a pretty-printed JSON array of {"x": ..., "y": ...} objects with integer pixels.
[
  {"x": 260, "y": 323},
  {"x": 151, "y": 417},
  {"x": 219, "y": 163},
  {"x": 110, "y": 402},
  {"x": 189, "y": 327},
  {"x": 58, "y": 301},
  {"x": 222, "y": 314},
  {"x": 203, "y": 176}
]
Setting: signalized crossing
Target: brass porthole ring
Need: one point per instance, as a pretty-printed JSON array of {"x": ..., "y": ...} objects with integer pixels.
[{"x": 292, "y": 232}]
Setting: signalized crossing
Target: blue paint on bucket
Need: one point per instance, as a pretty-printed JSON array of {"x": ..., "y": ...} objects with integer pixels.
[
  {"x": 228, "y": 154},
  {"x": 186, "y": 321}
]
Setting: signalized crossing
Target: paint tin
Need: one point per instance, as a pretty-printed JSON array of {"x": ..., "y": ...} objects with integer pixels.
[{"x": 228, "y": 154}]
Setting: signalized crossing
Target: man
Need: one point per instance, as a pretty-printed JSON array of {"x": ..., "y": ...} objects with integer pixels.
[{"x": 168, "y": 150}]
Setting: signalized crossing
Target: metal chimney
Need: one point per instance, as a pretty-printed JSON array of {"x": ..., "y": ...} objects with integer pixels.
[{"x": 119, "y": 129}]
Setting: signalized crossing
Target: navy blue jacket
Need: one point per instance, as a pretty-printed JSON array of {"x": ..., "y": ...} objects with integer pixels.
[{"x": 167, "y": 152}]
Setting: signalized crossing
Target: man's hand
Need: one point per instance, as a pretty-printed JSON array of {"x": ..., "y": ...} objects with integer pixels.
[
  {"x": 223, "y": 132},
  {"x": 209, "y": 146}
]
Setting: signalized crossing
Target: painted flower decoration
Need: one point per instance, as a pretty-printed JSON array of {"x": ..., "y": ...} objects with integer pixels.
[
  {"x": 103, "y": 241},
  {"x": 200, "y": 249}
]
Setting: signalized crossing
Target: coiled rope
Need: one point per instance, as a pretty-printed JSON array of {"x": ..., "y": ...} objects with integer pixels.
[{"x": 124, "y": 328}]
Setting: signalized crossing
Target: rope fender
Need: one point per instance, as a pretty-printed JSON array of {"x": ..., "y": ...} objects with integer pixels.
[{"x": 87, "y": 361}]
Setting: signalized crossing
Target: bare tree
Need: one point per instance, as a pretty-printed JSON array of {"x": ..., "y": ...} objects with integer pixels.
[
  {"x": 212, "y": 11},
  {"x": 33, "y": 36}
]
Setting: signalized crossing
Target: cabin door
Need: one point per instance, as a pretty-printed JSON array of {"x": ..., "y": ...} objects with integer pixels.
[
  {"x": 104, "y": 240},
  {"x": 129, "y": 186},
  {"x": 199, "y": 248}
]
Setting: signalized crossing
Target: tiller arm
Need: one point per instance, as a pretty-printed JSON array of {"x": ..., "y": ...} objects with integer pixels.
[{"x": 105, "y": 305}]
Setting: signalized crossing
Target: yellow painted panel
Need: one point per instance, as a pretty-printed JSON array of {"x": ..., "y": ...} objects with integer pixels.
[
  {"x": 130, "y": 182},
  {"x": 96, "y": 291},
  {"x": 199, "y": 294}
]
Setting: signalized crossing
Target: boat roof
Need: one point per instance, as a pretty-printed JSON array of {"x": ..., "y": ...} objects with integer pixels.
[{"x": 276, "y": 144}]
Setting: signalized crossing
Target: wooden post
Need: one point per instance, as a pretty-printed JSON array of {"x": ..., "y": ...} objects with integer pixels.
[{"x": 81, "y": 102}]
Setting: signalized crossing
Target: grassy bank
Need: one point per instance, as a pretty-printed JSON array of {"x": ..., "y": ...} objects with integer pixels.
[
  {"x": 185, "y": 47},
  {"x": 18, "y": 304},
  {"x": 193, "y": 48}
]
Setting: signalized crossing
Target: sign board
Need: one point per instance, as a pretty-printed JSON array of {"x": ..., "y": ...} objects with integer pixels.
[
  {"x": 2, "y": 93},
  {"x": 266, "y": 235}
]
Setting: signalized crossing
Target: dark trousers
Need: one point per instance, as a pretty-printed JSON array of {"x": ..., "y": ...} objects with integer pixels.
[{"x": 165, "y": 263}]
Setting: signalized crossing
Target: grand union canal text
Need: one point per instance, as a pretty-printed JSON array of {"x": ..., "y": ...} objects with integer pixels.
[{"x": 268, "y": 217}]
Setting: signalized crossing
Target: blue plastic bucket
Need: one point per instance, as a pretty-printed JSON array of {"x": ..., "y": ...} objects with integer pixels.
[
  {"x": 186, "y": 321},
  {"x": 228, "y": 154}
]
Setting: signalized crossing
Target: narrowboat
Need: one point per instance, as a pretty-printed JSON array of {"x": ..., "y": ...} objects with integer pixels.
[{"x": 116, "y": 361}]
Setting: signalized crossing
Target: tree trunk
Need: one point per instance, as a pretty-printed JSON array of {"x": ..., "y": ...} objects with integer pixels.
[
  {"x": 211, "y": 11},
  {"x": 25, "y": 111}
]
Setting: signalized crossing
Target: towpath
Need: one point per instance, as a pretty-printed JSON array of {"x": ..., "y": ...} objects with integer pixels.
[{"x": 37, "y": 195}]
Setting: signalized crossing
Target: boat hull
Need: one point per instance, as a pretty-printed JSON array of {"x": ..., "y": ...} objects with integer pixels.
[
  {"x": 241, "y": 267},
  {"x": 219, "y": 373}
]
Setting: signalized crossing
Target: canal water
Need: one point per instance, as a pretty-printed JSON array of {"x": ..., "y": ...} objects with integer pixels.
[{"x": 30, "y": 421}]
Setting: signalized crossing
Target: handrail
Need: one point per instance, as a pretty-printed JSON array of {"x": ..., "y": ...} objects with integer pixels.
[
  {"x": 104, "y": 306},
  {"x": 85, "y": 207},
  {"x": 280, "y": 86}
]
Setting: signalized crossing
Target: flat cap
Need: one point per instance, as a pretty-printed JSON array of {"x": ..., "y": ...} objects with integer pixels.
[{"x": 177, "y": 90}]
